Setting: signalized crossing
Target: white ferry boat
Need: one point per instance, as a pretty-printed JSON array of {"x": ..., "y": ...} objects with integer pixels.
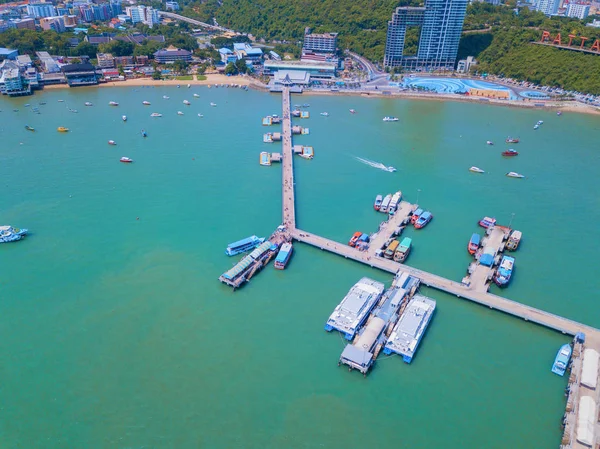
[{"x": 9, "y": 234}]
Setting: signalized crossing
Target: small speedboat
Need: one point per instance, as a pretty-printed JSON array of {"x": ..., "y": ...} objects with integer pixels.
[
  {"x": 73, "y": 110},
  {"x": 378, "y": 201},
  {"x": 476, "y": 170},
  {"x": 561, "y": 361},
  {"x": 87, "y": 103},
  {"x": 146, "y": 103},
  {"x": 187, "y": 103},
  {"x": 540, "y": 122},
  {"x": 487, "y": 222},
  {"x": 179, "y": 113},
  {"x": 112, "y": 142},
  {"x": 124, "y": 118},
  {"x": 390, "y": 119},
  {"x": 423, "y": 220},
  {"x": 559, "y": 113},
  {"x": 200, "y": 115},
  {"x": 213, "y": 104},
  {"x": 390, "y": 169},
  {"x": 510, "y": 152},
  {"x": 196, "y": 95},
  {"x": 325, "y": 114},
  {"x": 9, "y": 234},
  {"x": 352, "y": 111},
  {"x": 61, "y": 101},
  {"x": 155, "y": 114},
  {"x": 306, "y": 105},
  {"x": 474, "y": 243},
  {"x": 113, "y": 103},
  {"x": 189, "y": 85},
  {"x": 126, "y": 160},
  {"x": 512, "y": 140},
  {"x": 144, "y": 134},
  {"x": 489, "y": 142},
  {"x": 536, "y": 126},
  {"x": 62, "y": 129},
  {"x": 29, "y": 128},
  {"x": 165, "y": 97},
  {"x": 513, "y": 174}
]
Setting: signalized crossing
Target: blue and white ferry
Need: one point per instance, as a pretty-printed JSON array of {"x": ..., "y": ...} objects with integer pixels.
[
  {"x": 283, "y": 256},
  {"x": 504, "y": 272},
  {"x": 562, "y": 360},
  {"x": 241, "y": 246},
  {"x": 10, "y": 234}
]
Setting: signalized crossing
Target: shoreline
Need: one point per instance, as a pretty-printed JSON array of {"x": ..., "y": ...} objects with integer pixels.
[{"x": 564, "y": 106}]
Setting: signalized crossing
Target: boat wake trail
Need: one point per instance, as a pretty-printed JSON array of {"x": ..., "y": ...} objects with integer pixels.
[{"x": 374, "y": 164}]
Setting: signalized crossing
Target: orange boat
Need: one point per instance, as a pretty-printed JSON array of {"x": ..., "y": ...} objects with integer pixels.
[
  {"x": 415, "y": 216},
  {"x": 354, "y": 239},
  {"x": 474, "y": 243}
]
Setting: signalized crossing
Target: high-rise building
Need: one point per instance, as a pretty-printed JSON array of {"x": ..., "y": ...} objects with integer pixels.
[
  {"x": 39, "y": 10},
  {"x": 86, "y": 13},
  {"x": 580, "y": 10},
  {"x": 440, "y": 23},
  {"x": 174, "y": 6},
  {"x": 548, "y": 7},
  {"x": 144, "y": 14},
  {"x": 325, "y": 42},
  {"x": 116, "y": 8},
  {"x": 53, "y": 23}
]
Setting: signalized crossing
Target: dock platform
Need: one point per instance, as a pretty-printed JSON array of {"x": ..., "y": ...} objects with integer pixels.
[{"x": 480, "y": 271}]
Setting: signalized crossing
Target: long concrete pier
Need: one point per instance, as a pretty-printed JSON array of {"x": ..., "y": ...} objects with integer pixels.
[{"x": 475, "y": 292}]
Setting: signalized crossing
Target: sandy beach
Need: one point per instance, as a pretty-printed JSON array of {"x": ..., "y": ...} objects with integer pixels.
[{"x": 211, "y": 79}]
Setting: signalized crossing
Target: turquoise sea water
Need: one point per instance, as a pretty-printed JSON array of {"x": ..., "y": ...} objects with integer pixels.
[{"x": 115, "y": 332}]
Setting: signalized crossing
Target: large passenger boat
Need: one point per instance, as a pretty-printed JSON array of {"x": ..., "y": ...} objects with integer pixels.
[
  {"x": 10, "y": 234},
  {"x": 241, "y": 246},
  {"x": 354, "y": 309},
  {"x": 283, "y": 257},
  {"x": 403, "y": 250},
  {"x": 385, "y": 204},
  {"x": 378, "y": 201}
]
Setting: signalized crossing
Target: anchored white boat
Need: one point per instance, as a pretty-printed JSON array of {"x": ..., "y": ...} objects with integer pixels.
[
  {"x": 87, "y": 103},
  {"x": 126, "y": 160},
  {"x": 489, "y": 142},
  {"x": 476, "y": 170},
  {"x": 113, "y": 103},
  {"x": 155, "y": 114},
  {"x": 179, "y": 113},
  {"x": 187, "y": 103},
  {"x": 200, "y": 115},
  {"x": 196, "y": 95},
  {"x": 124, "y": 118},
  {"x": 213, "y": 104},
  {"x": 325, "y": 114},
  {"x": 112, "y": 142},
  {"x": 390, "y": 119},
  {"x": 165, "y": 97},
  {"x": 513, "y": 174},
  {"x": 146, "y": 103}
]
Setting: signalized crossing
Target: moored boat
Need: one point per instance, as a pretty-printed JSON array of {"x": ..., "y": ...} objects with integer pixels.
[
  {"x": 187, "y": 103},
  {"x": 513, "y": 241},
  {"x": 352, "y": 111},
  {"x": 155, "y": 114},
  {"x": 559, "y": 113},
  {"x": 144, "y": 134},
  {"x": 325, "y": 114},
  {"x": 474, "y": 243},
  {"x": 126, "y": 160},
  {"x": 146, "y": 103},
  {"x": 536, "y": 126},
  {"x": 196, "y": 96},
  {"x": 487, "y": 222},
  {"x": 512, "y": 140},
  {"x": 415, "y": 215},
  {"x": 489, "y": 142},
  {"x": 513, "y": 174},
  {"x": 165, "y": 97},
  {"x": 378, "y": 201},
  {"x": 510, "y": 152},
  {"x": 87, "y": 103},
  {"x": 396, "y": 198},
  {"x": 29, "y": 128},
  {"x": 200, "y": 115},
  {"x": 62, "y": 129},
  {"x": 213, "y": 104},
  {"x": 423, "y": 220},
  {"x": 403, "y": 250},
  {"x": 354, "y": 239},
  {"x": 391, "y": 249},
  {"x": 390, "y": 119},
  {"x": 9, "y": 234},
  {"x": 124, "y": 118},
  {"x": 504, "y": 272},
  {"x": 112, "y": 142},
  {"x": 113, "y": 103},
  {"x": 561, "y": 361},
  {"x": 179, "y": 113},
  {"x": 385, "y": 203},
  {"x": 265, "y": 158},
  {"x": 241, "y": 246},
  {"x": 476, "y": 170},
  {"x": 283, "y": 257}
]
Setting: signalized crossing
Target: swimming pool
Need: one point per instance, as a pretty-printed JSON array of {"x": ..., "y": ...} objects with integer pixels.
[
  {"x": 532, "y": 94},
  {"x": 453, "y": 85}
]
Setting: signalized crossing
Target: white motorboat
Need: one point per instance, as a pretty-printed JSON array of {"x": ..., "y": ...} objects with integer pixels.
[
  {"x": 165, "y": 97},
  {"x": 200, "y": 115},
  {"x": 390, "y": 169},
  {"x": 213, "y": 104},
  {"x": 113, "y": 103},
  {"x": 325, "y": 114},
  {"x": 489, "y": 142},
  {"x": 476, "y": 170},
  {"x": 112, "y": 142},
  {"x": 189, "y": 85},
  {"x": 179, "y": 113},
  {"x": 124, "y": 118},
  {"x": 155, "y": 114},
  {"x": 87, "y": 103},
  {"x": 540, "y": 122},
  {"x": 196, "y": 95},
  {"x": 513, "y": 174},
  {"x": 390, "y": 119},
  {"x": 536, "y": 126},
  {"x": 146, "y": 103},
  {"x": 126, "y": 160},
  {"x": 187, "y": 103}
]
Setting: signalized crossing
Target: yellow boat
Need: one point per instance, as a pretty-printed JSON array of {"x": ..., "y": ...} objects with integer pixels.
[{"x": 62, "y": 129}]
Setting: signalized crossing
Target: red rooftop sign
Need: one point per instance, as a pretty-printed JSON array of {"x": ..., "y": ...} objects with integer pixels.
[{"x": 579, "y": 43}]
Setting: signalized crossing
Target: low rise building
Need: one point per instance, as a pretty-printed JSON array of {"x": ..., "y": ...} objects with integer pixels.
[
  {"x": 317, "y": 70},
  {"x": 464, "y": 65},
  {"x": 172, "y": 54},
  {"x": 105, "y": 60},
  {"x": 227, "y": 55},
  {"x": 12, "y": 82},
  {"x": 80, "y": 74},
  {"x": 8, "y": 53},
  {"x": 173, "y": 6},
  {"x": 24, "y": 24},
  {"x": 247, "y": 52},
  {"x": 322, "y": 43},
  {"x": 47, "y": 62}
]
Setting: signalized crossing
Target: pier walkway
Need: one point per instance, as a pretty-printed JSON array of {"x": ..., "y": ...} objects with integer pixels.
[
  {"x": 388, "y": 227},
  {"x": 287, "y": 182},
  {"x": 480, "y": 275}
]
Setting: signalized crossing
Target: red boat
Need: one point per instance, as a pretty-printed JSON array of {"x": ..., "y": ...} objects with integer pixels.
[
  {"x": 354, "y": 239},
  {"x": 487, "y": 222},
  {"x": 511, "y": 140},
  {"x": 415, "y": 216},
  {"x": 510, "y": 152}
]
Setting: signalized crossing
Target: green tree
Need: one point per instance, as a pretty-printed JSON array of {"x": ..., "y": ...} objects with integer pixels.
[
  {"x": 240, "y": 66},
  {"x": 231, "y": 69},
  {"x": 117, "y": 48},
  {"x": 156, "y": 75},
  {"x": 201, "y": 70},
  {"x": 85, "y": 48},
  {"x": 180, "y": 66}
]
